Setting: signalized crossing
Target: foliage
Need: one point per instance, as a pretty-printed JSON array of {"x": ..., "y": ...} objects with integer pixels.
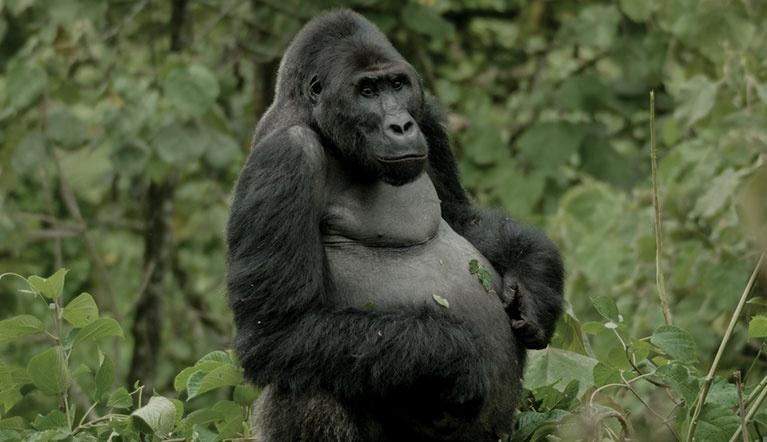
[
  {"x": 105, "y": 412},
  {"x": 124, "y": 123}
]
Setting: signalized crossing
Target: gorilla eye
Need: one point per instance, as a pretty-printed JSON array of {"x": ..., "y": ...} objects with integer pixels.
[
  {"x": 367, "y": 91},
  {"x": 397, "y": 84},
  {"x": 316, "y": 88}
]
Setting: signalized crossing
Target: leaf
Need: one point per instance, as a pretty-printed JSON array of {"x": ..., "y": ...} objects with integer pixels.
[
  {"x": 676, "y": 343},
  {"x": 548, "y": 145},
  {"x": 424, "y": 20},
  {"x": 483, "y": 275},
  {"x": 218, "y": 356},
  {"x": 66, "y": 129},
  {"x": 50, "y": 287},
  {"x": 105, "y": 376},
  {"x": 98, "y": 329},
  {"x": 440, "y": 300},
  {"x": 178, "y": 144},
  {"x": 18, "y": 326},
  {"x": 179, "y": 382},
  {"x": 193, "y": 383},
  {"x": 191, "y": 89},
  {"x": 680, "y": 379},
  {"x": 159, "y": 415},
  {"x": 558, "y": 368},
  {"x": 246, "y": 394},
  {"x": 48, "y": 371},
  {"x": 120, "y": 398},
  {"x": 25, "y": 82},
  {"x": 223, "y": 376},
  {"x": 605, "y": 306},
  {"x": 9, "y": 397},
  {"x": 54, "y": 419},
  {"x": 698, "y": 96},
  {"x": 719, "y": 193},
  {"x": 716, "y": 424},
  {"x": 81, "y": 311},
  {"x": 638, "y": 10},
  {"x": 757, "y": 327}
]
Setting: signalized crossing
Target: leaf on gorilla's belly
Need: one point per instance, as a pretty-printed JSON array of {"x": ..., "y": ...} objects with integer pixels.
[
  {"x": 441, "y": 301},
  {"x": 475, "y": 268}
]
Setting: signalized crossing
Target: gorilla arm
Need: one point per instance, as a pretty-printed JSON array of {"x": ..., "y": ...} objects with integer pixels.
[
  {"x": 533, "y": 274},
  {"x": 289, "y": 333}
]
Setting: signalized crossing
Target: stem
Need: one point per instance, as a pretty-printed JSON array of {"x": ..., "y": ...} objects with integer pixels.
[
  {"x": 741, "y": 408},
  {"x": 756, "y": 390},
  {"x": 659, "y": 279},
  {"x": 727, "y": 335},
  {"x": 751, "y": 412}
]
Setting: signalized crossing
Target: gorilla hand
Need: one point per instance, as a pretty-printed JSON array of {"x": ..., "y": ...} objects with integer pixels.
[{"x": 524, "y": 312}]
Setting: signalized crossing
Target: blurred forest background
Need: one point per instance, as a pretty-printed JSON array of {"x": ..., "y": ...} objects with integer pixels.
[{"x": 124, "y": 123}]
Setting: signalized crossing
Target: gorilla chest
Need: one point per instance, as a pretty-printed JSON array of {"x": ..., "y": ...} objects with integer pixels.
[
  {"x": 389, "y": 246},
  {"x": 382, "y": 215}
]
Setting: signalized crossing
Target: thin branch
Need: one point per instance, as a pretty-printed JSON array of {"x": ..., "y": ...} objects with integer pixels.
[
  {"x": 725, "y": 340},
  {"x": 659, "y": 279},
  {"x": 650, "y": 409},
  {"x": 70, "y": 202},
  {"x": 751, "y": 412},
  {"x": 741, "y": 408}
]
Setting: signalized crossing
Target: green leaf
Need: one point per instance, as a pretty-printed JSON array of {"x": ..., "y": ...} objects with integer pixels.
[
  {"x": 638, "y": 10},
  {"x": 105, "y": 376},
  {"x": 558, "y": 368},
  {"x": 246, "y": 394},
  {"x": 719, "y": 193},
  {"x": 716, "y": 424},
  {"x": 757, "y": 328},
  {"x": 98, "y": 329},
  {"x": 22, "y": 325},
  {"x": 179, "y": 382},
  {"x": 682, "y": 382},
  {"x": 66, "y": 129},
  {"x": 177, "y": 144},
  {"x": 676, "y": 343},
  {"x": 120, "y": 398},
  {"x": 50, "y": 287},
  {"x": 25, "y": 82},
  {"x": 605, "y": 306},
  {"x": 217, "y": 356},
  {"x": 10, "y": 396},
  {"x": 191, "y": 89},
  {"x": 48, "y": 371},
  {"x": 193, "y": 383},
  {"x": 223, "y": 376},
  {"x": 424, "y": 20},
  {"x": 81, "y": 311},
  {"x": 440, "y": 300},
  {"x": 159, "y": 415},
  {"x": 54, "y": 419},
  {"x": 548, "y": 145}
]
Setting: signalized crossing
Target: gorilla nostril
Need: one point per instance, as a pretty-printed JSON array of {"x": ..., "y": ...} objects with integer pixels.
[
  {"x": 408, "y": 126},
  {"x": 397, "y": 129}
]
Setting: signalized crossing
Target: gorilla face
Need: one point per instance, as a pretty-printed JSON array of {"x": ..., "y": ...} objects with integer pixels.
[{"x": 369, "y": 115}]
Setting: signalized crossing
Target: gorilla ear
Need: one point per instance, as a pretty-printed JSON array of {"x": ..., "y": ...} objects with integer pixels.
[{"x": 315, "y": 88}]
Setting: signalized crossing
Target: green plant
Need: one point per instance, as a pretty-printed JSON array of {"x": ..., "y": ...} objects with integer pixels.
[{"x": 107, "y": 413}]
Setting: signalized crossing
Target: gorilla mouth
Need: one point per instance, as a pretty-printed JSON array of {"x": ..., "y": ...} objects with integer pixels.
[{"x": 402, "y": 159}]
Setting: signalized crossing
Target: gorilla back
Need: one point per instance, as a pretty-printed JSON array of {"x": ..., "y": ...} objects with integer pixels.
[{"x": 350, "y": 239}]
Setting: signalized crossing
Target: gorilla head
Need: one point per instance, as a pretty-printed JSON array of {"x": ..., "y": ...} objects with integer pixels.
[{"x": 365, "y": 100}]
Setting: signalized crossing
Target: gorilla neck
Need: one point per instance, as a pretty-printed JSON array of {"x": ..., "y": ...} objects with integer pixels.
[{"x": 378, "y": 214}]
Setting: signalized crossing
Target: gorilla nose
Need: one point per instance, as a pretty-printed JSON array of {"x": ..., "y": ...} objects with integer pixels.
[{"x": 399, "y": 127}]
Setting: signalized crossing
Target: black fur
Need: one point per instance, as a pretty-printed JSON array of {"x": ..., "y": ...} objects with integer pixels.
[{"x": 348, "y": 373}]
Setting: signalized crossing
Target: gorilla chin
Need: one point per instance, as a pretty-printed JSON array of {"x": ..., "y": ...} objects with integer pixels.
[{"x": 401, "y": 170}]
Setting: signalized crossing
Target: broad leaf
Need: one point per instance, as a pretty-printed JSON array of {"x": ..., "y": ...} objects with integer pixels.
[
  {"x": 676, "y": 343},
  {"x": 50, "y": 287},
  {"x": 159, "y": 415},
  {"x": 48, "y": 371},
  {"x": 223, "y": 376},
  {"x": 81, "y": 311},
  {"x": 98, "y": 329},
  {"x": 757, "y": 328},
  {"x": 18, "y": 326}
]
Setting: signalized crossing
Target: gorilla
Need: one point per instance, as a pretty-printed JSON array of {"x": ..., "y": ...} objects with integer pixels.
[{"x": 371, "y": 298}]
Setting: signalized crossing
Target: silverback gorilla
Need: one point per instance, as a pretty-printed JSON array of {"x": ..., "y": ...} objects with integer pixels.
[{"x": 349, "y": 247}]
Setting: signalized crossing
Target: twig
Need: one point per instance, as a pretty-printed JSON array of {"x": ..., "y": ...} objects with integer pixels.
[
  {"x": 741, "y": 409},
  {"x": 727, "y": 334},
  {"x": 70, "y": 202},
  {"x": 650, "y": 409},
  {"x": 659, "y": 279},
  {"x": 116, "y": 30},
  {"x": 751, "y": 412},
  {"x": 755, "y": 393}
]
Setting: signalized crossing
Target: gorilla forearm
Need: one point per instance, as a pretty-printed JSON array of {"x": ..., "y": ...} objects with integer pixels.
[
  {"x": 524, "y": 254},
  {"x": 354, "y": 353}
]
